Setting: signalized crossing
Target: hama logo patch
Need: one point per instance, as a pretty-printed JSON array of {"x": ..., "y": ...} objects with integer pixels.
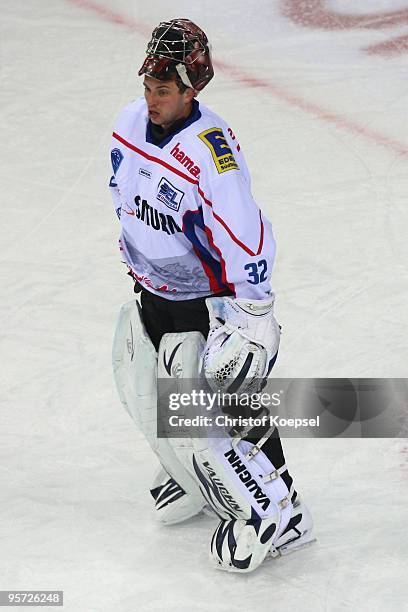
[
  {"x": 116, "y": 159},
  {"x": 169, "y": 195},
  {"x": 220, "y": 150}
]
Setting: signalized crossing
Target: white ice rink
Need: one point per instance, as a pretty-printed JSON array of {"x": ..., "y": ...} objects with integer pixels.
[{"x": 317, "y": 94}]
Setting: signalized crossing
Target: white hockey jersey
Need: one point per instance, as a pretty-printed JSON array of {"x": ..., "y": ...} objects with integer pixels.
[{"x": 190, "y": 226}]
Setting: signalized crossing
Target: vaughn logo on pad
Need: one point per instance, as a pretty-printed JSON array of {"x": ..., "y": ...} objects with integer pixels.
[{"x": 169, "y": 195}]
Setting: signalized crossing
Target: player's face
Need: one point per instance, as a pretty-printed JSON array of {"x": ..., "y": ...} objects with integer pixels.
[{"x": 165, "y": 102}]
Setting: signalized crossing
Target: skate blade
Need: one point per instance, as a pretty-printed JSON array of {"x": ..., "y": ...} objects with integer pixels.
[{"x": 286, "y": 549}]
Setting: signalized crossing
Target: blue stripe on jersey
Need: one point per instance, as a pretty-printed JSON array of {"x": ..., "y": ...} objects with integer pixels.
[
  {"x": 195, "y": 115},
  {"x": 191, "y": 220}
]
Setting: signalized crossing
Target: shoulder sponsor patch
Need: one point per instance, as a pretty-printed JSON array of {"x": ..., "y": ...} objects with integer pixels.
[
  {"x": 116, "y": 159},
  {"x": 169, "y": 195},
  {"x": 220, "y": 150}
]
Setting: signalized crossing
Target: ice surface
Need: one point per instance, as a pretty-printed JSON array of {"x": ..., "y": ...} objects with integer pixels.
[{"x": 323, "y": 124}]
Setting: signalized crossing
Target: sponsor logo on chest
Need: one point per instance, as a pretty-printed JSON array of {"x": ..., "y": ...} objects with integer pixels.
[
  {"x": 152, "y": 217},
  {"x": 169, "y": 195},
  {"x": 185, "y": 160},
  {"x": 145, "y": 173}
]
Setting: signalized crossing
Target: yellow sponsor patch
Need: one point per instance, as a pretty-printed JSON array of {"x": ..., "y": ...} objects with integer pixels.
[{"x": 220, "y": 150}]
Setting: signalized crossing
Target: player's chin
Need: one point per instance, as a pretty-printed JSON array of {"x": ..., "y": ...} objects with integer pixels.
[{"x": 154, "y": 117}]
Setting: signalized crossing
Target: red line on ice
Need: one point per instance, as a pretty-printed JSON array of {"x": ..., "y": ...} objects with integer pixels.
[
  {"x": 394, "y": 46},
  {"x": 317, "y": 14},
  {"x": 311, "y": 108}
]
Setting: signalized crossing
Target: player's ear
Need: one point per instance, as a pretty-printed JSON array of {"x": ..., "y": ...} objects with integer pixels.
[{"x": 189, "y": 94}]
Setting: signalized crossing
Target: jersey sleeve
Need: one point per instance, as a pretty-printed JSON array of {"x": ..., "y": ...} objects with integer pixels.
[
  {"x": 114, "y": 191},
  {"x": 116, "y": 156},
  {"x": 236, "y": 228},
  {"x": 117, "y": 152}
]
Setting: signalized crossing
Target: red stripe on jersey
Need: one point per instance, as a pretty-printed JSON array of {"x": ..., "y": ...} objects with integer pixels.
[
  {"x": 154, "y": 159},
  {"x": 214, "y": 286},
  {"x": 241, "y": 244},
  {"x": 261, "y": 240},
  {"x": 222, "y": 262},
  {"x": 200, "y": 191},
  {"x": 231, "y": 234},
  {"x": 206, "y": 200}
]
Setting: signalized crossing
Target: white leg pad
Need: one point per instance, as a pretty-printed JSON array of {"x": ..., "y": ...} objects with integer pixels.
[
  {"x": 135, "y": 371},
  {"x": 248, "y": 493},
  {"x": 253, "y": 493}
]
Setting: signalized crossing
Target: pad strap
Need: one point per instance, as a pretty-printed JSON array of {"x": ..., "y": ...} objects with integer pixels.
[
  {"x": 255, "y": 449},
  {"x": 275, "y": 474}
]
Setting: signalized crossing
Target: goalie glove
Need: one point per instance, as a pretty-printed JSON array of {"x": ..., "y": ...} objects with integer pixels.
[{"x": 242, "y": 344}]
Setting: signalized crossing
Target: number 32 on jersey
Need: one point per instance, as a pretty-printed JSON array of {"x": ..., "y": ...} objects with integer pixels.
[{"x": 256, "y": 272}]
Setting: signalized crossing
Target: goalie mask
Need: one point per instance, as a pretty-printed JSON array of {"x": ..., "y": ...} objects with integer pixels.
[{"x": 179, "y": 50}]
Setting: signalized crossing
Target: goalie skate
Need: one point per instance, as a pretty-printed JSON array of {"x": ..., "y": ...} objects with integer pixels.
[
  {"x": 241, "y": 546},
  {"x": 298, "y": 533}
]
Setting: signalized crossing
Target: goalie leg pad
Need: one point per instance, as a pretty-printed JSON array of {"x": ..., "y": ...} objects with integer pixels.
[
  {"x": 241, "y": 546},
  {"x": 240, "y": 481},
  {"x": 135, "y": 371},
  {"x": 172, "y": 504},
  {"x": 248, "y": 493},
  {"x": 134, "y": 361}
]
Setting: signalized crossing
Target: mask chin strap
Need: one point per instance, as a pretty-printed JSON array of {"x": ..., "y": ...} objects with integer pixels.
[{"x": 182, "y": 72}]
